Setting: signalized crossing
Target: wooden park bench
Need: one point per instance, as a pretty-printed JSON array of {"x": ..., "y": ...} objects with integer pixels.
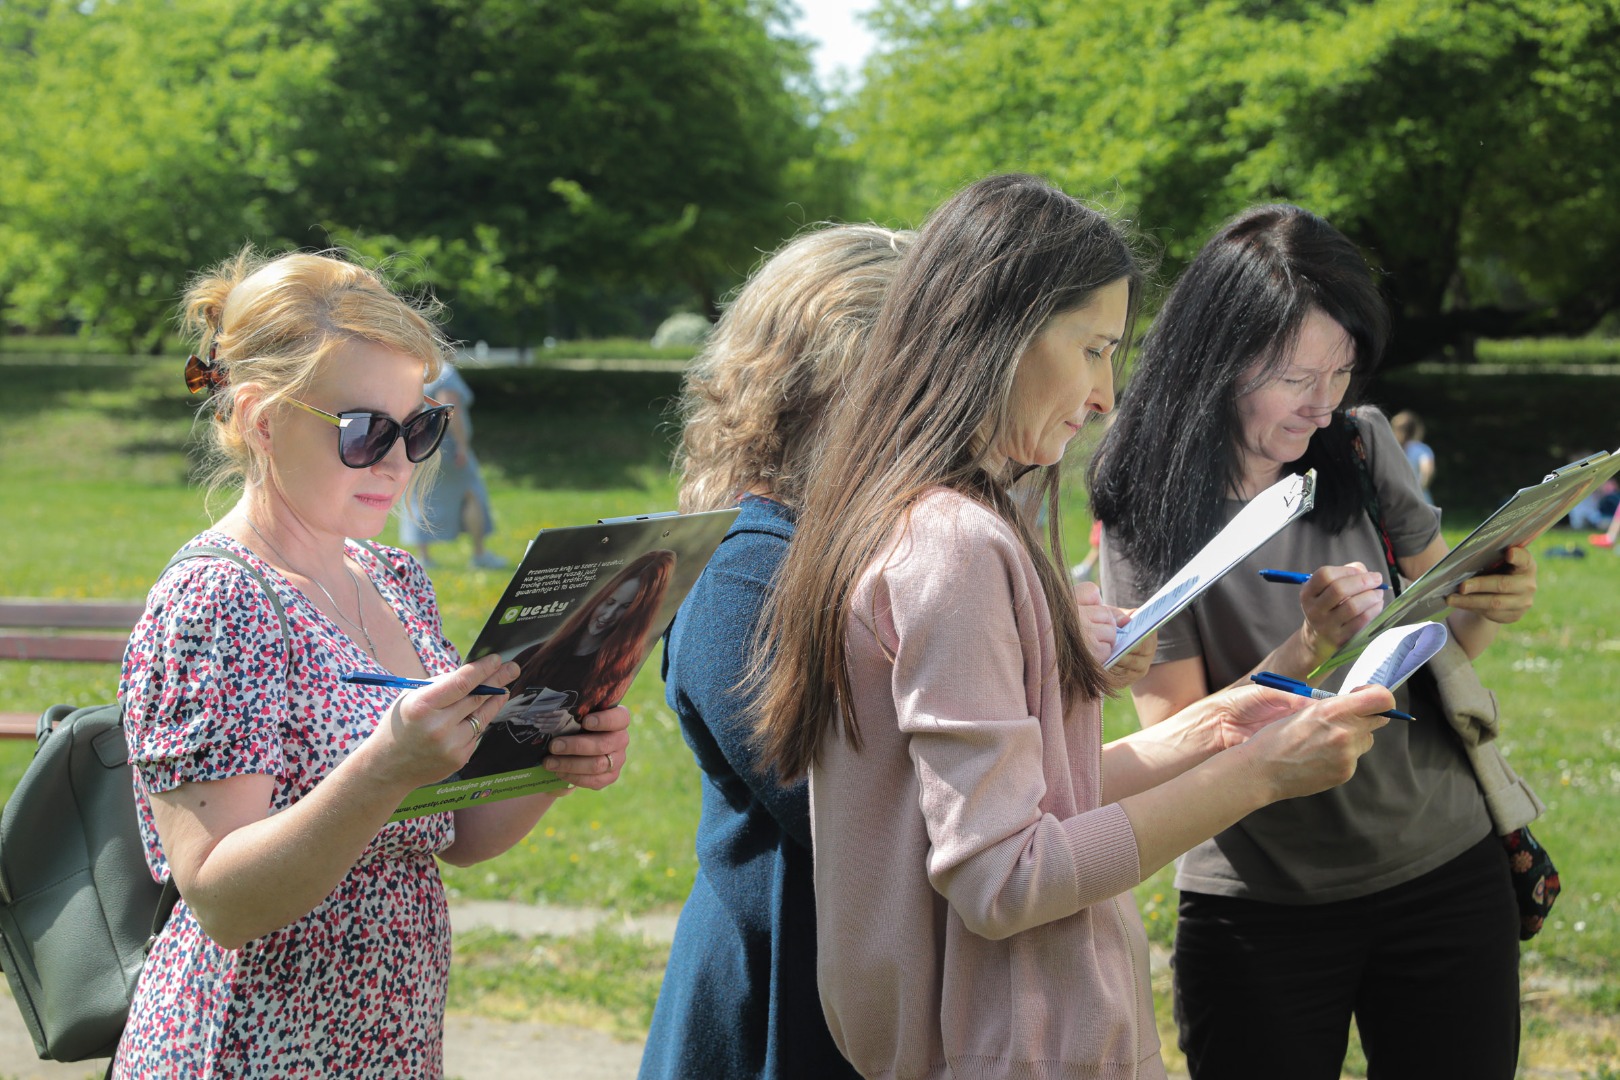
[{"x": 32, "y": 629}]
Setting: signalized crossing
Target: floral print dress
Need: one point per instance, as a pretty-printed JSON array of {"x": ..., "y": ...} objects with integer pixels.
[{"x": 356, "y": 988}]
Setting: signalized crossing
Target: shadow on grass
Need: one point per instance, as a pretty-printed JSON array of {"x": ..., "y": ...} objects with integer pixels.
[
  {"x": 35, "y": 385},
  {"x": 585, "y": 430},
  {"x": 590, "y": 430},
  {"x": 541, "y": 428}
]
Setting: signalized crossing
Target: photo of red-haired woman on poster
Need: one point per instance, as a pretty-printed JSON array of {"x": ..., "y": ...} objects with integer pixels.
[{"x": 590, "y": 660}]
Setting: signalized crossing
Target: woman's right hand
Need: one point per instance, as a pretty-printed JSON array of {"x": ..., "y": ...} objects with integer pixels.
[
  {"x": 1317, "y": 747},
  {"x": 1337, "y": 602},
  {"x": 426, "y": 735}
]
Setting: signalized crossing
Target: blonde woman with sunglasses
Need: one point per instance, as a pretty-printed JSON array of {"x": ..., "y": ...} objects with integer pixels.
[{"x": 312, "y": 936}]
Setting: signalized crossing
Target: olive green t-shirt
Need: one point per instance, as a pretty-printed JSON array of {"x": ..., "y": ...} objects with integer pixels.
[{"x": 1413, "y": 803}]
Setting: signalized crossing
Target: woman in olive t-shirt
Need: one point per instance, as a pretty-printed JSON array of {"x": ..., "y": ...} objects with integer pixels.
[{"x": 1388, "y": 898}]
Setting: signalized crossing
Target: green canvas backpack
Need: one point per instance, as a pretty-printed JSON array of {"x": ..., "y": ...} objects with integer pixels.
[{"x": 78, "y": 907}]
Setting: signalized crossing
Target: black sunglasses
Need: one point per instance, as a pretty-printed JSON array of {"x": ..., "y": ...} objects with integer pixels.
[{"x": 364, "y": 438}]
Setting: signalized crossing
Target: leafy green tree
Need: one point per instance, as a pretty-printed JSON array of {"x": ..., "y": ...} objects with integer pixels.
[
  {"x": 1471, "y": 148},
  {"x": 138, "y": 142},
  {"x": 549, "y": 147},
  {"x": 521, "y": 152}
]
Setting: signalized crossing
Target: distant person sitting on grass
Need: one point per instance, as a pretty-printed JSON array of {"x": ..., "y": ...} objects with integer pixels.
[
  {"x": 457, "y": 501},
  {"x": 312, "y": 936},
  {"x": 1607, "y": 539},
  {"x": 1599, "y": 510},
  {"x": 1408, "y": 428}
]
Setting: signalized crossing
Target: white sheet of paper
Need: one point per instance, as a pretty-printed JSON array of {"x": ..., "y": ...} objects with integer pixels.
[
  {"x": 1256, "y": 523},
  {"x": 1392, "y": 657}
]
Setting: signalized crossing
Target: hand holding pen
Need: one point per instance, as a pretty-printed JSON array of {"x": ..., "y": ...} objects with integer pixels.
[
  {"x": 1294, "y": 686},
  {"x": 1297, "y": 577},
  {"x": 1314, "y": 747},
  {"x": 1336, "y": 601},
  {"x": 399, "y": 682},
  {"x": 431, "y": 729}
]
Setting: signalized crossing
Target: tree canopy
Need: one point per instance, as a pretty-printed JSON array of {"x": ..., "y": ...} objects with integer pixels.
[
  {"x": 139, "y": 141},
  {"x": 519, "y": 151},
  {"x": 537, "y": 156},
  {"x": 1471, "y": 149}
]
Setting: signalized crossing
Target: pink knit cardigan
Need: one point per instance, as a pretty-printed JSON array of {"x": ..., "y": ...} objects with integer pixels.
[{"x": 972, "y": 905}]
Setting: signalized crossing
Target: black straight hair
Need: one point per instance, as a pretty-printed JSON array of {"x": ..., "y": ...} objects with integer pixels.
[{"x": 1171, "y": 457}]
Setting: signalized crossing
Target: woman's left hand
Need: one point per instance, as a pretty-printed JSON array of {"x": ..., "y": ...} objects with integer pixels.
[
  {"x": 592, "y": 758},
  {"x": 1503, "y": 595},
  {"x": 1100, "y": 622},
  {"x": 1236, "y": 713},
  {"x": 1135, "y": 663}
]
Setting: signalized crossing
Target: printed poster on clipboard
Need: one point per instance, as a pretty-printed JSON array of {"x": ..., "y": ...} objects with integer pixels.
[{"x": 581, "y": 614}]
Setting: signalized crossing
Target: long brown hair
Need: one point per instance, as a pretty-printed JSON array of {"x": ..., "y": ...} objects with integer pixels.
[
  {"x": 754, "y": 398},
  {"x": 615, "y": 662},
  {"x": 929, "y": 396},
  {"x": 1243, "y": 300}
]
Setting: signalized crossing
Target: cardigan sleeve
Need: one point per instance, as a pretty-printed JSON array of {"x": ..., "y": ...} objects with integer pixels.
[{"x": 956, "y": 609}]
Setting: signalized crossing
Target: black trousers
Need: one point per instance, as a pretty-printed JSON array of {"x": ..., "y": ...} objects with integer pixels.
[{"x": 1429, "y": 968}]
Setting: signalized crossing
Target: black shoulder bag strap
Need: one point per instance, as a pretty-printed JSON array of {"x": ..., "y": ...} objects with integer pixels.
[{"x": 1369, "y": 496}]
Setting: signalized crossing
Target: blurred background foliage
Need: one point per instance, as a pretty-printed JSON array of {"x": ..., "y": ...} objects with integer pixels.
[
  {"x": 550, "y": 167},
  {"x": 566, "y": 170}
]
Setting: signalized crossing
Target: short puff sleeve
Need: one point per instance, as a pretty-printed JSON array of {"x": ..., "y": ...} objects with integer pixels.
[{"x": 204, "y": 686}]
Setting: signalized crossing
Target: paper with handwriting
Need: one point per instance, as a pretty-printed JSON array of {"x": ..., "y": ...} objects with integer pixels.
[{"x": 1391, "y": 658}]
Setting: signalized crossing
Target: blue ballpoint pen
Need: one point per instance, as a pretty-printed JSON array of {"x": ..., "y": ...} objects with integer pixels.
[
  {"x": 397, "y": 682},
  {"x": 1294, "y": 577},
  {"x": 1294, "y": 686}
]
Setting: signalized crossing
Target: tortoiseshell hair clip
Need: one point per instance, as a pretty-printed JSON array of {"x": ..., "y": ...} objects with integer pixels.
[{"x": 204, "y": 374}]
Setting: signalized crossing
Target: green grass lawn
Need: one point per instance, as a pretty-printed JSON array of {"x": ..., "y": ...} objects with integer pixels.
[{"x": 95, "y": 492}]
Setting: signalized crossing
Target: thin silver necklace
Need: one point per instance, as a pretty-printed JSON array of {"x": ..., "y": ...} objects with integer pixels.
[{"x": 359, "y": 607}]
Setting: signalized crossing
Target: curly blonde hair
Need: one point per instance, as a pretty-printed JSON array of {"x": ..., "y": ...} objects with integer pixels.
[
  {"x": 273, "y": 321},
  {"x": 754, "y": 397}
]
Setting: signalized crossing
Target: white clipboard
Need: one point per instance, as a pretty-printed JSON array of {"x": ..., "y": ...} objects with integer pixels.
[{"x": 1264, "y": 517}]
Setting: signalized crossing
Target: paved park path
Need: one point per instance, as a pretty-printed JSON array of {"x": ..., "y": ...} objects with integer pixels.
[
  {"x": 478, "y": 1048},
  {"x": 475, "y": 1048}
]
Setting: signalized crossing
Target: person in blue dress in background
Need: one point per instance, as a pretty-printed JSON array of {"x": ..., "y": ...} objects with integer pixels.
[
  {"x": 457, "y": 502},
  {"x": 739, "y": 997}
]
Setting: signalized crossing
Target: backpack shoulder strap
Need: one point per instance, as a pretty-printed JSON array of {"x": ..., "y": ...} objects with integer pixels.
[
  {"x": 212, "y": 551},
  {"x": 376, "y": 549},
  {"x": 1369, "y": 496}
]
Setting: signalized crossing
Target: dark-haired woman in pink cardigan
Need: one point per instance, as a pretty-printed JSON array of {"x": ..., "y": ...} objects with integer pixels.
[{"x": 928, "y": 668}]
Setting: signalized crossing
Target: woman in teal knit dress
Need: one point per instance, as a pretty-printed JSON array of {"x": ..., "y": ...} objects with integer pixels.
[{"x": 739, "y": 997}]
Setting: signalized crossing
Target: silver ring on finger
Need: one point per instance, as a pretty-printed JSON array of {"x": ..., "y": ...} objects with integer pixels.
[
  {"x": 609, "y": 762},
  {"x": 477, "y": 731}
]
